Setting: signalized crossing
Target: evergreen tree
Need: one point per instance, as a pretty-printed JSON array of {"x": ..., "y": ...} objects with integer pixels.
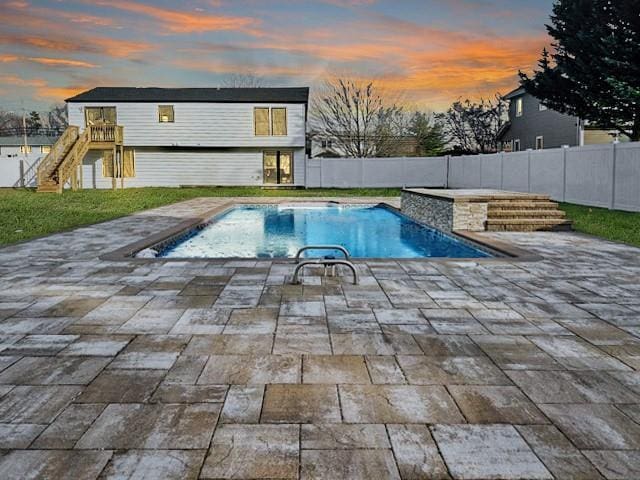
[
  {"x": 594, "y": 70},
  {"x": 429, "y": 135},
  {"x": 34, "y": 123}
]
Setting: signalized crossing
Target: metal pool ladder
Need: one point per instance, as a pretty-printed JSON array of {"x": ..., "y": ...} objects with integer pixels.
[{"x": 327, "y": 261}]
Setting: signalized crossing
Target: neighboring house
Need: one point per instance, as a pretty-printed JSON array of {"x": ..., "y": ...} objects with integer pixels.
[
  {"x": 17, "y": 159},
  {"x": 184, "y": 136},
  {"x": 533, "y": 126}
]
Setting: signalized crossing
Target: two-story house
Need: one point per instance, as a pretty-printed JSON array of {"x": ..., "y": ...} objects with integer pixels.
[
  {"x": 533, "y": 126},
  {"x": 136, "y": 137}
]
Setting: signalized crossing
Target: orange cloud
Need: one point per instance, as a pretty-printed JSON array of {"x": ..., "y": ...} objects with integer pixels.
[
  {"x": 106, "y": 46},
  {"x": 62, "y": 62},
  {"x": 42, "y": 89},
  {"x": 7, "y": 58},
  {"x": 181, "y": 21}
]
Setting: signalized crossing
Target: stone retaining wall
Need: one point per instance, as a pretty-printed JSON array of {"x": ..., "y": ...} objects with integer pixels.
[{"x": 444, "y": 213}]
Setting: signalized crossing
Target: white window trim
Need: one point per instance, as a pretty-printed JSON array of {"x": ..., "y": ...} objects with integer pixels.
[
  {"x": 516, "y": 141},
  {"x": 541, "y": 138}
]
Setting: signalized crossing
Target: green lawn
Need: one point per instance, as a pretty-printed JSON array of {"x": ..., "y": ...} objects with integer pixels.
[
  {"x": 26, "y": 214},
  {"x": 610, "y": 224}
]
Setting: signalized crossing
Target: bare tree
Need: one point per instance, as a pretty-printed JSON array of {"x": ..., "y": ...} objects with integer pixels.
[
  {"x": 243, "y": 80},
  {"x": 355, "y": 117},
  {"x": 57, "y": 118},
  {"x": 473, "y": 127},
  {"x": 10, "y": 123}
]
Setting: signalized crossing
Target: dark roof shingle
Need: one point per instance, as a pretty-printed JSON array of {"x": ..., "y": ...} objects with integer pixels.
[{"x": 207, "y": 95}]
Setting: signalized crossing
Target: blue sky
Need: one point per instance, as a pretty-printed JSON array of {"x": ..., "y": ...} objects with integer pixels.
[{"x": 426, "y": 53}]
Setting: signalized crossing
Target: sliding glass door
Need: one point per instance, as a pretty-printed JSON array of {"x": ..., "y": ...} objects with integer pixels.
[{"x": 278, "y": 167}]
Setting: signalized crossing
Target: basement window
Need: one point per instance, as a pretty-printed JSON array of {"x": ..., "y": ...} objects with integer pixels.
[
  {"x": 25, "y": 149},
  {"x": 516, "y": 145},
  {"x": 45, "y": 148},
  {"x": 165, "y": 113},
  {"x": 539, "y": 143}
]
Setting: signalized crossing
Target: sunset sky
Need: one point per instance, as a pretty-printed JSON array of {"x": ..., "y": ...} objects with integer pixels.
[{"x": 426, "y": 52}]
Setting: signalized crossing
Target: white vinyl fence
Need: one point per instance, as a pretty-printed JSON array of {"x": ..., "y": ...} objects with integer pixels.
[
  {"x": 18, "y": 171},
  {"x": 595, "y": 175},
  {"x": 376, "y": 172}
]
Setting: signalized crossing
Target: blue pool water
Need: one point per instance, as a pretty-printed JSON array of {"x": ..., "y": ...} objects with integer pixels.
[{"x": 278, "y": 231}]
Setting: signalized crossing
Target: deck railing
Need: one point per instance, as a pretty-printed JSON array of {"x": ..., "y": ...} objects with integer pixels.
[{"x": 105, "y": 133}]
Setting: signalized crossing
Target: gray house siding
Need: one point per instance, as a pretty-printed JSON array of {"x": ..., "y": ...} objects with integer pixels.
[{"x": 556, "y": 128}]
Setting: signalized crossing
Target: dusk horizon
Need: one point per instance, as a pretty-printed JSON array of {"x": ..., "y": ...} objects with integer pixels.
[{"x": 424, "y": 54}]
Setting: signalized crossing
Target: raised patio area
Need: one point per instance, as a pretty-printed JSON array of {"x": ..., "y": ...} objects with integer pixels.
[{"x": 221, "y": 369}]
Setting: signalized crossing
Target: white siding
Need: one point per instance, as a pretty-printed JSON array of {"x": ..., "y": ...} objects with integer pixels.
[
  {"x": 198, "y": 124},
  {"x": 172, "y": 168}
]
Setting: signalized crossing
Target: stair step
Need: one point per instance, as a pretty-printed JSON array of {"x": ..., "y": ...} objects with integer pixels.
[
  {"x": 530, "y": 214},
  {"x": 47, "y": 188},
  {"x": 527, "y": 225},
  {"x": 523, "y": 205}
]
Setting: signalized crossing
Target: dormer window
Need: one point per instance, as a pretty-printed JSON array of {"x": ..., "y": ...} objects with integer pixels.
[
  {"x": 519, "y": 107},
  {"x": 165, "y": 113}
]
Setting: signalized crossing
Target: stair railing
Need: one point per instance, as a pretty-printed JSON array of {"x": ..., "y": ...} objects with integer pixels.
[{"x": 58, "y": 151}]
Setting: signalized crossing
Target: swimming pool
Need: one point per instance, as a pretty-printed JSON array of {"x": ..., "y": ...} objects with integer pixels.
[{"x": 278, "y": 231}]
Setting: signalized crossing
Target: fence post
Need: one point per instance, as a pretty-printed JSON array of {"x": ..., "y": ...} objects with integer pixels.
[
  {"x": 22, "y": 173},
  {"x": 447, "y": 160},
  {"x": 529, "y": 171},
  {"x": 612, "y": 203},
  {"x": 564, "y": 173},
  {"x": 502, "y": 155}
]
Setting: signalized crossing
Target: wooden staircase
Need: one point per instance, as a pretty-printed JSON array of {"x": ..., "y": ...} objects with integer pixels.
[
  {"x": 63, "y": 161},
  {"x": 518, "y": 214}
]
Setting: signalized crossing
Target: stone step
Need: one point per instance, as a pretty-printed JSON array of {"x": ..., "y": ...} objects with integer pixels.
[
  {"x": 528, "y": 225},
  {"x": 528, "y": 214},
  {"x": 523, "y": 205}
]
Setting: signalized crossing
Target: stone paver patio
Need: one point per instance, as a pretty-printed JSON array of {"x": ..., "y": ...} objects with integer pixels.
[{"x": 221, "y": 369}]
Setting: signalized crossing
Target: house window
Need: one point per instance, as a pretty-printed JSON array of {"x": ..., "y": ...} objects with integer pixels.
[
  {"x": 100, "y": 116},
  {"x": 278, "y": 167},
  {"x": 270, "y": 121},
  {"x": 519, "y": 107},
  {"x": 542, "y": 107},
  {"x": 45, "y": 148},
  {"x": 323, "y": 144},
  {"x": 516, "y": 145},
  {"x": 279, "y": 121},
  {"x": 25, "y": 149},
  {"x": 165, "y": 113},
  {"x": 261, "y": 121},
  {"x": 539, "y": 143}
]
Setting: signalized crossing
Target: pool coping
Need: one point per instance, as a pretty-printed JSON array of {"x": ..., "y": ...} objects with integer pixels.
[{"x": 508, "y": 252}]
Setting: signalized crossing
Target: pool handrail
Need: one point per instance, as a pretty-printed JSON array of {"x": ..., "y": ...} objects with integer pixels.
[
  {"x": 325, "y": 262},
  {"x": 340, "y": 248}
]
